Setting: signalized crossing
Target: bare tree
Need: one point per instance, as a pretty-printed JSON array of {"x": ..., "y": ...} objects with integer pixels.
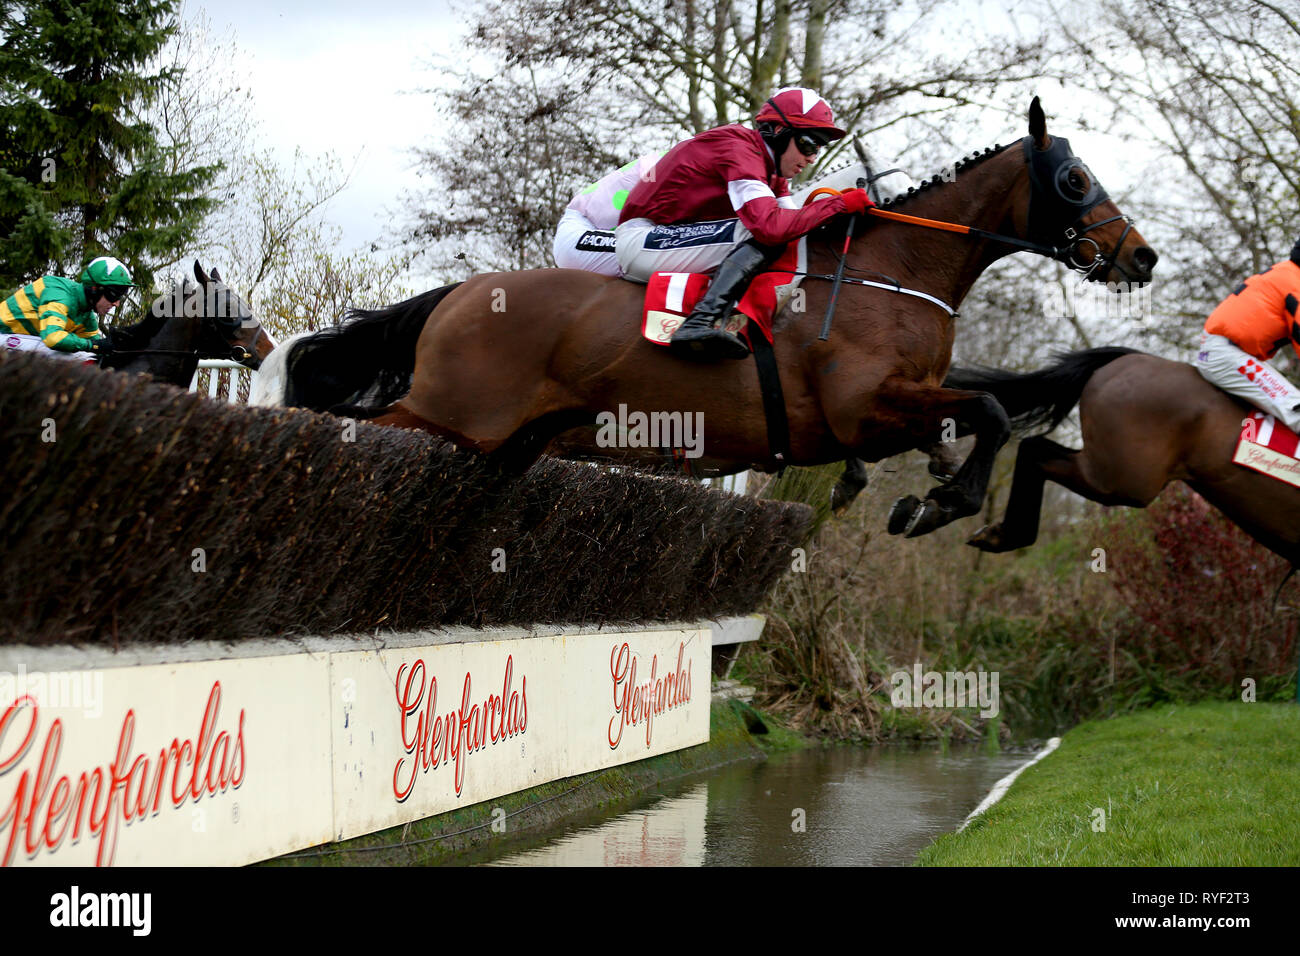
[
  {"x": 1212, "y": 87},
  {"x": 582, "y": 86},
  {"x": 203, "y": 115}
]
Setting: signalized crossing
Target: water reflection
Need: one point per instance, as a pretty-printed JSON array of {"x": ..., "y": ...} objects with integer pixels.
[
  {"x": 844, "y": 806},
  {"x": 671, "y": 832}
]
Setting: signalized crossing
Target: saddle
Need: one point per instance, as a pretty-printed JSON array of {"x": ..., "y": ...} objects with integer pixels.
[{"x": 670, "y": 297}]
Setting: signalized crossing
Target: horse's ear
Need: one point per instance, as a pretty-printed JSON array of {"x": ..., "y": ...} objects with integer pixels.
[
  {"x": 216, "y": 276},
  {"x": 1038, "y": 124},
  {"x": 199, "y": 273}
]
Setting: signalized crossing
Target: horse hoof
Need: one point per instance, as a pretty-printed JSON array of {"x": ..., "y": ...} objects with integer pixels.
[
  {"x": 987, "y": 538},
  {"x": 941, "y": 474},
  {"x": 839, "y": 500},
  {"x": 902, "y": 512},
  {"x": 945, "y": 463},
  {"x": 925, "y": 519}
]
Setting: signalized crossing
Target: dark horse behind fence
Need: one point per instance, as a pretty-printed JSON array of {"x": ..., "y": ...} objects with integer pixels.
[
  {"x": 505, "y": 362},
  {"x": 204, "y": 321},
  {"x": 1146, "y": 421}
]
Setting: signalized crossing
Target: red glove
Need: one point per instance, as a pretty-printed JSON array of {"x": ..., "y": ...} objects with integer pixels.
[{"x": 856, "y": 200}]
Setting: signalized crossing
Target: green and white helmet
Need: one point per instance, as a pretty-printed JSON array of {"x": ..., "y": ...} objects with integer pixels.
[{"x": 108, "y": 271}]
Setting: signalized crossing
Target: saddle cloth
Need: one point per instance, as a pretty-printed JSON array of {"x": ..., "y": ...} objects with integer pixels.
[
  {"x": 670, "y": 296},
  {"x": 1269, "y": 447}
]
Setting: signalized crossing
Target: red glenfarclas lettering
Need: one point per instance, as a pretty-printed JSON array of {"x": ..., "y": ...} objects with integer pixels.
[
  {"x": 431, "y": 738},
  {"x": 637, "y": 703},
  {"x": 43, "y": 808}
]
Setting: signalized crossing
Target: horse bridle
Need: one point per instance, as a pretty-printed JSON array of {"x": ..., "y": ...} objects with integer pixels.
[{"x": 1057, "y": 208}]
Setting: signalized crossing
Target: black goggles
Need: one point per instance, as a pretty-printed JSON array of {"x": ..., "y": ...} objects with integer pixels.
[
  {"x": 808, "y": 143},
  {"x": 114, "y": 293}
]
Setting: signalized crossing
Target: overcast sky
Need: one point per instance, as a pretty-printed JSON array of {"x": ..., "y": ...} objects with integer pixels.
[{"x": 341, "y": 75}]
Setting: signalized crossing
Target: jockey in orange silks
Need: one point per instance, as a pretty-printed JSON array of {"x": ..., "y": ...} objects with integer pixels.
[
  {"x": 1246, "y": 329},
  {"x": 721, "y": 201}
]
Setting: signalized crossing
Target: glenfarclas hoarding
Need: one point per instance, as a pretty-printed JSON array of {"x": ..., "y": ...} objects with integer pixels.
[
  {"x": 231, "y": 761},
  {"x": 462, "y": 723},
  {"x": 207, "y": 763}
]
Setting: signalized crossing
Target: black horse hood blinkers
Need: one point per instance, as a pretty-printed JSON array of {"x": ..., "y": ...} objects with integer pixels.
[{"x": 1056, "y": 205}]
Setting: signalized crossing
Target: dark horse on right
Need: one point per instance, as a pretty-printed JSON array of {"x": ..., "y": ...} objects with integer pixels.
[{"x": 1146, "y": 421}]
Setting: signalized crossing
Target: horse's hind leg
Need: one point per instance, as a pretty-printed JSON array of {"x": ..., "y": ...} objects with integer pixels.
[
  {"x": 1019, "y": 526},
  {"x": 515, "y": 454},
  {"x": 850, "y": 485},
  {"x": 1109, "y": 474},
  {"x": 526, "y": 445},
  {"x": 398, "y": 415}
]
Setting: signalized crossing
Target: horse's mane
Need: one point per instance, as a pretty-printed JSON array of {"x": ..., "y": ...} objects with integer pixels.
[
  {"x": 965, "y": 163},
  {"x": 138, "y": 334},
  {"x": 844, "y": 177}
]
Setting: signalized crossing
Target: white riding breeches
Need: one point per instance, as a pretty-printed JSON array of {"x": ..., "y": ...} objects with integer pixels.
[
  {"x": 1223, "y": 364},
  {"x": 580, "y": 245},
  {"x": 33, "y": 343},
  {"x": 644, "y": 248}
]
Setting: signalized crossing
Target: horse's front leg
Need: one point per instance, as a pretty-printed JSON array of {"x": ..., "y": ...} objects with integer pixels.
[{"x": 923, "y": 411}]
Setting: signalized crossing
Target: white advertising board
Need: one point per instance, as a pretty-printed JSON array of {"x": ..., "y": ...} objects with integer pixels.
[
  {"x": 213, "y": 763},
  {"x": 422, "y": 730},
  {"x": 226, "y": 762}
]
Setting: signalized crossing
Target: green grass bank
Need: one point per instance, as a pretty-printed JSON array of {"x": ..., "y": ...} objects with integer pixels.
[{"x": 1212, "y": 784}]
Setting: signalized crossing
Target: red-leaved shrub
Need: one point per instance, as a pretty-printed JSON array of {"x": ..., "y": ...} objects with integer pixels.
[{"x": 1205, "y": 590}]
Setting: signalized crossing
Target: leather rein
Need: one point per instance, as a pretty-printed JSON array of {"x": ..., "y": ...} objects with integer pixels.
[{"x": 1053, "y": 199}]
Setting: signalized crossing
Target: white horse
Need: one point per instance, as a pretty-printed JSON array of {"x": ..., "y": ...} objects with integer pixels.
[{"x": 272, "y": 378}]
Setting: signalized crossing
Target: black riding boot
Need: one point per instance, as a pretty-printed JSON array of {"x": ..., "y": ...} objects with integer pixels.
[{"x": 702, "y": 336}]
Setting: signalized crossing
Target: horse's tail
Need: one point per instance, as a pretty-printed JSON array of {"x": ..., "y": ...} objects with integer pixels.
[
  {"x": 1044, "y": 397},
  {"x": 363, "y": 366}
]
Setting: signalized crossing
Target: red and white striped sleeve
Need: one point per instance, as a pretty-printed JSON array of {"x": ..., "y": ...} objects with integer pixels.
[
  {"x": 773, "y": 221},
  {"x": 770, "y": 220}
]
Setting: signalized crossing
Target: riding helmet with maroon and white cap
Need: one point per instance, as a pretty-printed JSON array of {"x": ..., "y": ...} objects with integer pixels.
[{"x": 796, "y": 109}]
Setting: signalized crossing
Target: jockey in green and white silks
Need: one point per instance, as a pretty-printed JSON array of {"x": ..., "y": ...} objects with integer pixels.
[
  {"x": 62, "y": 315},
  {"x": 584, "y": 238}
]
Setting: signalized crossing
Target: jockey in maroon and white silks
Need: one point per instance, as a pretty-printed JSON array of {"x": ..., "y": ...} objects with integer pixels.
[
  {"x": 721, "y": 200},
  {"x": 584, "y": 238}
]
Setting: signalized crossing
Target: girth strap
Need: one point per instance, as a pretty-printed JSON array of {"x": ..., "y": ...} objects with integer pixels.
[{"x": 769, "y": 386}]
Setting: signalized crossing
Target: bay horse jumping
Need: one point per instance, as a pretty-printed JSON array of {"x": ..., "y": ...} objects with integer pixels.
[
  {"x": 1146, "y": 422},
  {"x": 204, "y": 321},
  {"x": 503, "y": 363}
]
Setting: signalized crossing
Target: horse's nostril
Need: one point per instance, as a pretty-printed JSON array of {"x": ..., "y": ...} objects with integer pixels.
[{"x": 1145, "y": 258}]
